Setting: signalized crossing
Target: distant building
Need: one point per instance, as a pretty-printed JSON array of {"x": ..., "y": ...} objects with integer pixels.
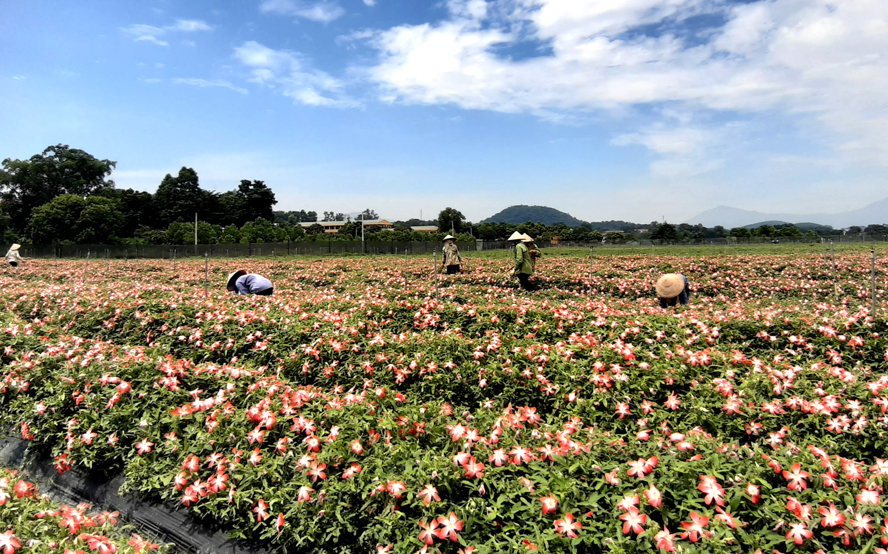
[
  {"x": 424, "y": 228},
  {"x": 331, "y": 227}
]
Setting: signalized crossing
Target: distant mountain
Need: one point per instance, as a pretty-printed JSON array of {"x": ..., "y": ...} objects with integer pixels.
[
  {"x": 729, "y": 217},
  {"x": 516, "y": 215}
]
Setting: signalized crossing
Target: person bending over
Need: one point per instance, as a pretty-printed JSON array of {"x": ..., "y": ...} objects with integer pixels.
[
  {"x": 241, "y": 282},
  {"x": 673, "y": 289}
]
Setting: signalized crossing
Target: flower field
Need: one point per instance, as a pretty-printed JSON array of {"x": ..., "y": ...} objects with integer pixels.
[
  {"x": 35, "y": 524},
  {"x": 355, "y": 411}
]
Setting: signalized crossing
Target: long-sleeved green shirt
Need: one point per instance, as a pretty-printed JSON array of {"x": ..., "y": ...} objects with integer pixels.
[{"x": 522, "y": 259}]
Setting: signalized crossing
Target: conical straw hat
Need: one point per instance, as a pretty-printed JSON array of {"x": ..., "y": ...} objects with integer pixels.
[
  {"x": 449, "y": 237},
  {"x": 15, "y": 246},
  {"x": 526, "y": 238},
  {"x": 670, "y": 285},
  {"x": 232, "y": 277},
  {"x": 516, "y": 236}
]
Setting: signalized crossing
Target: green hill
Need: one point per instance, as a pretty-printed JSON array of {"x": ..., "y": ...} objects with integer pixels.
[{"x": 515, "y": 215}]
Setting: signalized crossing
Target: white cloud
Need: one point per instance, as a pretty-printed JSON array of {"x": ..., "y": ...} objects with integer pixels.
[
  {"x": 815, "y": 60},
  {"x": 18, "y": 77},
  {"x": 370, "y": 3},
  {"x": 202, "y": 83},
  {"x": 189, "y": 25},
  {"x": 683, "y": 151},
  {"x": 288, "y": 72},
  {"x": 469, "y": 9},
  {"x": 684, "y": 141},
  {"x": 355, "y": 36},
  {"x": 150, "y": 33},
  {"x": 152, "y": 39},
  {"x": 323, "y": 12}
]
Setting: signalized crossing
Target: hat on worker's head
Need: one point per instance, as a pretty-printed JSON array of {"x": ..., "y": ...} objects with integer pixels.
[
  {"x": 15, "y": 246},
  {"x": 232, "y": 277},
  {"x": 516, "y": 236},
  {"x": 526, "y": 238},
  {"x": 670, "y": 285},
  {"x": 449, "y": 237}
]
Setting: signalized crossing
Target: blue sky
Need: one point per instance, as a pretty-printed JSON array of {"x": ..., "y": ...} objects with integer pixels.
[{"x": 606, "y": 109}]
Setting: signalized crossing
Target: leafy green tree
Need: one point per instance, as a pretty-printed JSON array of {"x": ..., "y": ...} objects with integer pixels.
[
  {"x": 764, "y": 231},
  {"x": 232, "y": 208},
  {"x": 59, "y": 170},
  {"x": 740, "y": 232},
  {"x": 71, "y": 218},
  {"x": 100, "y": 221},
  {"x": 449, "y": 220},
  {"x": 367, "y": 215},
  {"x": 231, "y": 235},
  {"x": 296, "y": 232},
  {"x": 665, "y": 232},
  {"x": 179, "y": 198},
  {"x": 147, "y": 235},
  {"x": 56, "y": 220},
  {"x": 259, "y": 230},
  {"x": 258, "y": 200},
  {"x": 179, "y": 232},
  {"x": 207, "y": 233},
  {"x": 295, "y": 217},
  {"x": 136, "y": 207},
  {"x": 350, "y": 229},
  {"x": 316, "y": 229}
]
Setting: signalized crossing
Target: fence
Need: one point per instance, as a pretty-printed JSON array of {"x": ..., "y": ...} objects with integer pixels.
[
  {"x": 315, "y": 248},
  {"x": 312, "y": 248}
]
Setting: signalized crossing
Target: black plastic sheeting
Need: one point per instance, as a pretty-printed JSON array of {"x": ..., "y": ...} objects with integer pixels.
[{"x": 156, "y": 520}]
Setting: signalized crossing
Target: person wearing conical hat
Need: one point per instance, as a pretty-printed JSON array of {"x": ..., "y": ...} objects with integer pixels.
[
  {"x": 673, "y": 289},
  {"x": 452, "y": 261},
  {"x": 13, "y": 256},
  {"x": 532, "y": 248},
  {"x": 523, "y": 262},
  {"x": 241, "y": 282}
]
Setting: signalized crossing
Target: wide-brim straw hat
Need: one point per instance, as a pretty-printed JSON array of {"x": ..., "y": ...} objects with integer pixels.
[
  {"x": 516, "y": 236},
  {"x": 232, "y": 277},
  {"x": 449, "y": 237},
  {"x": 526, "y": 238},
  {"x": 15, "y": 246},
  {"x": 670, "y": 285}
]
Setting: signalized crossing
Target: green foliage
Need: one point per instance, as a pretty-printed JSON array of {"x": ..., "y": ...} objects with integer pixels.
[
  {"x": 180, "y": 198},
  {"x": 258, "y": 201},
  {"x": 516, "y": 215},
  {"x": 28, "y": 184},
  {"x": 315, "y": 229},
  {"x": 450, "y": 220},
  {"x": 95, "y": 220}
]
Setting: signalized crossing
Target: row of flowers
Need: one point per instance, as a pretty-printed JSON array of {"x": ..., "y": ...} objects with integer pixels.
[{"x": 33, "y": 523}]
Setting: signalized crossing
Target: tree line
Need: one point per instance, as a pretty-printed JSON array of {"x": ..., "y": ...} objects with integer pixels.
[{"x": 65, "y": 196}]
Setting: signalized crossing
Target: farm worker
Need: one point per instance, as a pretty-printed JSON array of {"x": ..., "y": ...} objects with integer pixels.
[
  {"x": 13, "y": 256},
  {"x": 534, "y": 250},
  {"x": 241, "y": 282},
  {"x": 523, "y": 263},
  {"x": 452, "y": 260},
  {"x": 673, "y": 289}
]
